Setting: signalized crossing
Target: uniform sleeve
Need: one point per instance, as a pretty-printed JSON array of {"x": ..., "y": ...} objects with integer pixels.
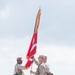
[
  {"x": 20, "y": 67},
  {"x": 46, "y": 68},
  {"x": 42, "y": 70},
  {"x": 36, "y": 62}
]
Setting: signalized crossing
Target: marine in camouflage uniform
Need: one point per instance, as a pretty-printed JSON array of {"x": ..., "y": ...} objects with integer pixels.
[
  {"x": 18, "y": 67},
  {"x": 40, "y": 69},
  {"x": 46, "y": 66}
]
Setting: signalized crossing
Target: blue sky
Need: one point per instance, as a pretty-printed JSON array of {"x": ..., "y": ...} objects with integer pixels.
[{"x": 56, "y": 33}]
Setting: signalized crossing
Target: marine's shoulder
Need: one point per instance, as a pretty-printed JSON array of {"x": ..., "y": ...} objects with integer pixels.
[{"x": 17, "y": 65}]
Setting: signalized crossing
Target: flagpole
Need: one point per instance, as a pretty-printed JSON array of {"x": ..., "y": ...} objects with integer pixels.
[{"x": 31, "y": 68}]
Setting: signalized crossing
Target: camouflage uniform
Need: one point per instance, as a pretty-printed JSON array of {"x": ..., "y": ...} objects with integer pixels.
[{"x": 18, "y": 69}]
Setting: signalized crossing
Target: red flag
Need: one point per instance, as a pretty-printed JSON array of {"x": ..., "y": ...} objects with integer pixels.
[
  {"x": 33, "y": 45},
  {"x": 29, "y": 63}
]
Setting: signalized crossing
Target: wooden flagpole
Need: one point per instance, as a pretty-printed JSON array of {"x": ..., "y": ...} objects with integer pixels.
[{"x": 31, "y": 68}]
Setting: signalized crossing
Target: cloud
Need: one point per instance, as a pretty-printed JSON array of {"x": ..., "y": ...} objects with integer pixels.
[
  {"x": 12, "y": 48},
  {"x": 5, "y": 12},
  {"x": 56, "y": 33},
  {"x": 57, "y": 21},
  {"x": 58, "y": 56}
]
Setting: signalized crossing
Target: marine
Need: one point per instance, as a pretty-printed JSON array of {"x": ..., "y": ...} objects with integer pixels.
[{"x": 18, "y": 67}]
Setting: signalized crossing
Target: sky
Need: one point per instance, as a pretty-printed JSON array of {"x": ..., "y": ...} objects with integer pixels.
[{"x": 56, "y": 37}]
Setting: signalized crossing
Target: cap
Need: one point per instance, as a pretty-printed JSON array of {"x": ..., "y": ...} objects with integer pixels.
[
  {"x": 44, "y": 56},
  {"x": 19, "y": 58},
  {"x": 41, "y": 56}
]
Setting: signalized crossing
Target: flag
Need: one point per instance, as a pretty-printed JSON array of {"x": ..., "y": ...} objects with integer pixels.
[{"x": 33, "y": 45}]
